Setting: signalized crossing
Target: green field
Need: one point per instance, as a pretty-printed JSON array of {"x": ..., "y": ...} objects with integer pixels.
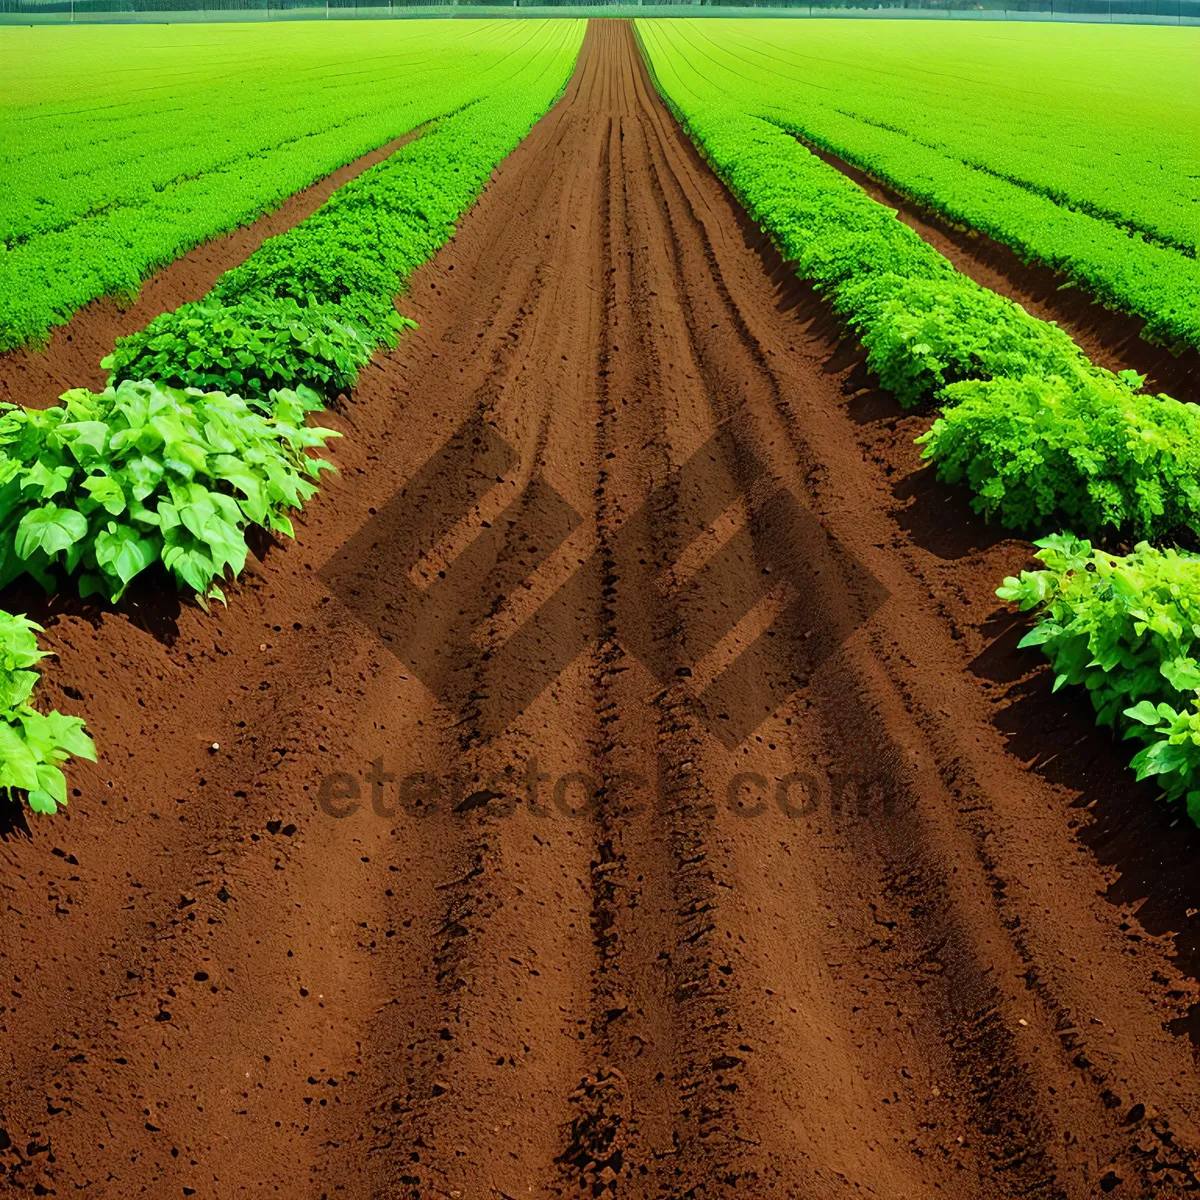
[
  {"x": 122, "y": 148},
  {"x": 1071, "y": 144},
  {"x": 1076, "y": 145}
]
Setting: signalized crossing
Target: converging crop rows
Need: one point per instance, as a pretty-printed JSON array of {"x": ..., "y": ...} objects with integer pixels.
[
  {"x": 106, "y": 486},
  {"x": 126, "y": 148},
  {"x": 522, "y": 687},
  {"x": 1038, "y": 433},
  {"x": 1075, "y": 146}
]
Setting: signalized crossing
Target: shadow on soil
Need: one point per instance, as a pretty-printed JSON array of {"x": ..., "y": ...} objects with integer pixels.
[
  {"x": 14, "y": 818},
  {"x": 939, "y": 518},
  {"x": 1154, "y": 846},
  {"x": 151, "y": 604}
]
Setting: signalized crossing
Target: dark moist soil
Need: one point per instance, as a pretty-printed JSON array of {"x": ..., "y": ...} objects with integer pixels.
[
  {"x": 71, "y": 357},
  {"x": 1112, "y": 339},
  {"x": 626, "y": 785}
]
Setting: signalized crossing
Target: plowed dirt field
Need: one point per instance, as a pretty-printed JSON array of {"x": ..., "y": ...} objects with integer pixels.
[{"x": 626, "y": 785}]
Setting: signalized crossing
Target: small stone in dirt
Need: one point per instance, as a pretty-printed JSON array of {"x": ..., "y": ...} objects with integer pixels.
[{"x": 478, "y": 800}]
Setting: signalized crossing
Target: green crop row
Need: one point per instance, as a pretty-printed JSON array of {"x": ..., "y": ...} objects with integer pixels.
[
  {"x": 1029, "y": 425},
  {"x": 123, "y": 148},
  {"x": 311, "y": 306},
  {"x": 1119, "y": 267},
  {"x": 1018, "y": 391},
  {"x": 201, "y": 432},
  {"x": 1092, "y": 173}
]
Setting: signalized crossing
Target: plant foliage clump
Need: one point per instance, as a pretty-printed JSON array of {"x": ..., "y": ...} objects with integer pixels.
[
  {"x": 1128, "y": 630},
  {"x": 104, "y": 485},
  {"x": 1095, "y": 452},
  {"x": 32, "y": 745},
  {"x": 921, "y": 335},
  {"x": 252, "y": 346}
]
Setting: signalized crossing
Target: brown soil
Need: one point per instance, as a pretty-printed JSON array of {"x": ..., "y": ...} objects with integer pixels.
[
  {"x": 1109, "y": 338},
  {"x": 850, "y": 911},
  {"x": 72, "y": 354}
]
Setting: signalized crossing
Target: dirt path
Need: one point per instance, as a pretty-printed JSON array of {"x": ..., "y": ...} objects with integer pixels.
[{"x": 717, "y": 870}]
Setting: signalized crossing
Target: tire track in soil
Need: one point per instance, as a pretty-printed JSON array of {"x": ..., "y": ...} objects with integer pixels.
[{"x": 860, "y": 951}]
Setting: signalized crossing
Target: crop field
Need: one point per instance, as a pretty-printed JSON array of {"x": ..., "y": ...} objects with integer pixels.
[
  {"x": 600, "y": 608},
  {"x": 180, "y": 133},
  {"x": 1076, "y": 147}
]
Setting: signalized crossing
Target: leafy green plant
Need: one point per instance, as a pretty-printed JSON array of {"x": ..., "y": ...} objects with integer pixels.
[
  {"x": 1092, "y": 450},
  {"x": 922, "y": 335},
  {"x": 103, "y": 485},
  {"x": 1128, "y": 630},
  {"x": 33, "y": 746},
  {"x": 251, "y": 346},
  {"x": 315, "y": 271}
]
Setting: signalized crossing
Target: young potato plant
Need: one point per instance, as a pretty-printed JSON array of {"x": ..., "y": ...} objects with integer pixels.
[
  {"x": 104, "y": 485},
  {"x": 32, "y": 746},
  {"x": 1127, "y": 629}
]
